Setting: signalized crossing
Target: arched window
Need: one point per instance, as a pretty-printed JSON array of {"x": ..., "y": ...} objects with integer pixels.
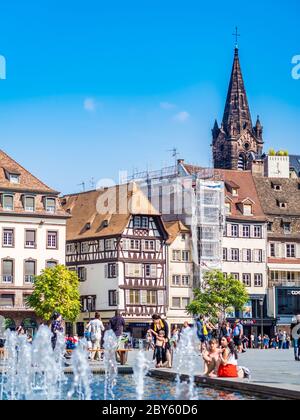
[{"x": 242, "y": 162}]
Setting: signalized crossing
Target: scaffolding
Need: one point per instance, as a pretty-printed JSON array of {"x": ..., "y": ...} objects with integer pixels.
[{"x": 197, "y": 199}]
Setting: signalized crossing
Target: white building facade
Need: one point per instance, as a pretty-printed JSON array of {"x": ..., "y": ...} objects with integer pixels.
[{"x": 33, "y": 236}]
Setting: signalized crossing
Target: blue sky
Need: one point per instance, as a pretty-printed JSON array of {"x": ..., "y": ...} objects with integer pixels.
[{"x": 96, "y": 87}]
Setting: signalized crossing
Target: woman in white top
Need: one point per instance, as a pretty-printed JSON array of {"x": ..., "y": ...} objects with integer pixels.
[{"x": 228, "y": 366}]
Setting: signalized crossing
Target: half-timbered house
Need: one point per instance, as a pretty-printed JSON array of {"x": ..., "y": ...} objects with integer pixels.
[{"x": 116, "y": 242}]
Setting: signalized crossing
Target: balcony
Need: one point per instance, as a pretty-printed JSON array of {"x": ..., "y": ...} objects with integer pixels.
[
  {"x": 14, "y": 308},
  {"x": 7, "y": 279},
  {"x": 29, "y": 279}
]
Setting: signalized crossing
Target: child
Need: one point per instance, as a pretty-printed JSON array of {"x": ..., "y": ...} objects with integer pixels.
[{"x": 160, "y": 348}]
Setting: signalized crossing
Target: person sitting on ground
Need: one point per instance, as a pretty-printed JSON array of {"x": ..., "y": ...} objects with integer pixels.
[
  {"x": 211, "y": 359},
  {"x": 228, "y": 360}
]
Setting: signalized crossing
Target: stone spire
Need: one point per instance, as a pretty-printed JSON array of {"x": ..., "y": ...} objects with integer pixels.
[{"x": 237, "y": 115}]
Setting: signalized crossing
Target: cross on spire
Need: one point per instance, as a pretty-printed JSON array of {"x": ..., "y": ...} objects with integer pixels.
[{"x": 236, "y": 35}]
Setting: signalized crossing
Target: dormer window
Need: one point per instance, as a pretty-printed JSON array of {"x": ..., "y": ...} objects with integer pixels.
[
  {"x": 29, "y": 203},
  {"x": 50, "y": 205},
  {"x": 282, "y": 204},
  {"x": 227, "y": 208},
  {"x": 8, "y": 202},
  {"x": 247, "y": 209},
  {"x": 235, "y": 192},
  {"x": 14, "y": 178},
  {"x": 276, "y": 187},
  {"x": 286, "y": 228}
]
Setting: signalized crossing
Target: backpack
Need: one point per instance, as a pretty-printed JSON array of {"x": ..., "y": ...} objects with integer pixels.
[{"x": 95, "y": 332}]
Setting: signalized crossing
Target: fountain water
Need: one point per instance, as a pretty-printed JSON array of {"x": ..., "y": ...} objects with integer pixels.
[
  {"x": 82, "y": 376},
  {"x": 110, "y": 363},
  {"x": 185, "y": 357},
  {"x": 140, "y": 370}
]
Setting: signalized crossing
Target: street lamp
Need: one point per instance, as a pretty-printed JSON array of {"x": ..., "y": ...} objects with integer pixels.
[
  {"x": 89, "y": 305},
  {"x": 261, "y": 302}
]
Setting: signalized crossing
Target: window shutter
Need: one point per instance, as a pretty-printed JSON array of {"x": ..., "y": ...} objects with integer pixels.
[
  {"x": 7, "y": 268},
  {"x": 106, "y": 271},
  {"x": 143, "y": 297},
  {"x": 229, "y": 254},
  {"x": 160, "y": 297},
  {"x": 244, "y": 259},
  {"x": 127, "y": 269},
  {"x": 117, "y": 270},
  {"x": 127, "y": 297},
  {"x": 158, "y": 246},
  {"x": 84, "y": 273},
  {"x": 240, "y": 255},
  {"x": 228, "y": 228},
  {"x": 153, "y": 270},
  {"x": 143, "y": 245}
]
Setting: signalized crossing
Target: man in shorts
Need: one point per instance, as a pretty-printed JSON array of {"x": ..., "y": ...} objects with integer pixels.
[{"x": 238, "y": 333}]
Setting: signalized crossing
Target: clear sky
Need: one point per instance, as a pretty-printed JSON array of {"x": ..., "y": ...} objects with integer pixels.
[{"x": 94, "y": 86}]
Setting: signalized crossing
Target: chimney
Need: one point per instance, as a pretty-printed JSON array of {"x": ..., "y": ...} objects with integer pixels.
[{"x": 257, "y": 168}]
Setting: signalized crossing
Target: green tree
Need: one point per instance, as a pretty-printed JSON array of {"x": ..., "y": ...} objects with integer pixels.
[
  {"x": 218, "y": 292},
  {"x": 56, "y": 289}
]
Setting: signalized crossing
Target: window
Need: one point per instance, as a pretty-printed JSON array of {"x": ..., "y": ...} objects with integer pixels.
[
  {"x": 176, "y": 302},
  {"x": 286, "y": 228},
  {"x": 70, "y": 249},
  {"x": 29, "y": 203},
  {"x": 258, "y": 280},
  {"x": 176, "y": 255},
  {"x": 270, "y": 226},
  {"x": 185, "y": 280},
  {"x": 282, "y": 204},
  {"x": 145, "y": 223},
  {"x": 183, "y": 236},
  {"x": 51, "y": 263},
  {"x": 7, "y": 301},
  {"x": 82, "y": 273},
  {"x": 50, "y": 205},
  {"x": 14, "y": 178},
  {"x": 275, "y": 275},
  {"x": 176, "y": 280},
  {"x": 246, "y": 231},
  {"x": 112, "y": 270},
  {"x": 247, "y": 209},
  {"x": 133, "y": 270},
  {"x": 109, "y": 244},
  {"x": 290, "y": 251},
  {"x": 52, "y": 240},
  {"x": 276, "y": 187},
  {"x": 235, "y": 231},
  {"x": 8, "y": 202},
  {"x": 30, "y": 271},
  {"x": 227, "y": 208},
  {"x": 112, "y": 298},
  {"x": 290, "y": 276},
  {"x": 149, "y": 246},
  {"x": 234, "y": 192},
  {"x": 257, "y": 231},
  {"x": 30, "y": 241},
  {"x": 247, "y": 280},
  {"x": 137, "y": 223},
  {"x": 88, "y": 303},
  {"x": 258, "y": 255},
  {"x": 150, "y": 270},
  {"x": 185, "y": 302},
  {"x": 134, "y": 244},
  {"x": 134, "y": 297},
  {"x": 248, "y": 255},
  {"x": 8, "y": 237},
  {"x": 224, "y": 254},
  {"x": 85, "y": 247},
  {"x": 151, "y": 297},
  {"x": 186, "y": 256},
  {"x": 7, "y": 271},
  {"x": 272, "y": 250},
  {"x": 236, "y": 276},
  {"x": 235, "y": 254}
]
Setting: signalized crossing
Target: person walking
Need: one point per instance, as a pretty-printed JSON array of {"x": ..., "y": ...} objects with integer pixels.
[
  {"x": 117, "y": 324},
  {"x": 95, "y": 329}
]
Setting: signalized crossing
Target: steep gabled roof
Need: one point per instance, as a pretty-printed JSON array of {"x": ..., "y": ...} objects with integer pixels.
[
  {"x": 174, "y": 228},
  {"x": 28, "y": 182},
  {"x": 104, "y": 212}
]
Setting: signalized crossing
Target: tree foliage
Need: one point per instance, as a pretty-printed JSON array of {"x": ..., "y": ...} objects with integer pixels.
[
  {"x": 218, "y": 293},
  {"x": 56, "y": 289}
]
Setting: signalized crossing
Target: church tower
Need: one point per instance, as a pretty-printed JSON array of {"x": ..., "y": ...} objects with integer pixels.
[{"x": 236, "y": 142}]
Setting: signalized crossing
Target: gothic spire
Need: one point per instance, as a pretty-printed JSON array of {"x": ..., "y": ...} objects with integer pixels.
[{"x": 237, "y": 115}]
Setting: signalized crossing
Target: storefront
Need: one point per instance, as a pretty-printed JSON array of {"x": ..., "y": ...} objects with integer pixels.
[
  {"x": 254, "y": 317},
  {"x": 287, "y": 305}
]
